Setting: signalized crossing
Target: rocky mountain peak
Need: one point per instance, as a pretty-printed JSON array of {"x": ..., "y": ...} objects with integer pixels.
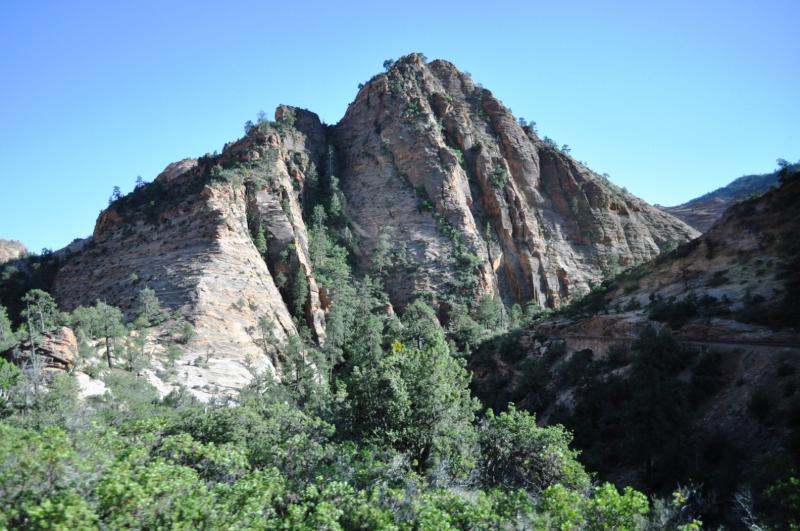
[
  {"x": 470, "y": 192},
  {"x": 430, "y": 183}
]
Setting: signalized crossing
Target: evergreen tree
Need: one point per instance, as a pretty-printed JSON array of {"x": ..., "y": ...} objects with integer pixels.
[
  {"x": 489, "y": 313},
  {"x": 300, "y": 293},
  {"x": 430, "y": 406},
  {"x": 267, "y": 337},
  {"x": 260, "y": 241},
  {"x": 414, "y": 399},
  {"x": 7, "y": 337},
  {"x": 517, "y": 453},
  {"x": 84, "y": 321},
  {"x": 109, "y": 326},
  {"x": 150, "y": 312},
  {"x": 381, "y": 256},
  {"x": 40, "y": 312},
  {"x": 421, "y": 327}
]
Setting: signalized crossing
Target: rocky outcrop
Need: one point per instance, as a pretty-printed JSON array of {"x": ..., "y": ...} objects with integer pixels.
[
  {"x": 57, "y": 349},
  {"x": 274, "y": 202},
  {"x": 11, "y": 250},
  {"x": 433, "y": 172},
  {"x": 189, "y": 236},
  {"x": 740, "y": 278},
  {"x": 735, "y": 285},
  {"x": 469, "y": 194}
]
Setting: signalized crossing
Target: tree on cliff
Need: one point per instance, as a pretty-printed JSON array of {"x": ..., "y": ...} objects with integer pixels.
[
  {"x": 109, "y": 326},
  {"x": 260, "y": 241},
  {"x": 150, "y": 312},
  {"x": 40, "y": 312}
]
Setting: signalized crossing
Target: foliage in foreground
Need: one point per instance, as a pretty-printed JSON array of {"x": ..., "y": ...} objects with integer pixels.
[{"x": 263, "y": 463}]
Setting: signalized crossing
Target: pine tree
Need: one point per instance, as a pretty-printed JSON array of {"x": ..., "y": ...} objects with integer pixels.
[
  {"x": 260, "y": 241},
  {"x": 110, "y": 327},
  {"x": 489, "y": 313},
  {"x": 41, "y": 311},
  {"x": 381, "y": 255},
  {"x": 150, "y": 312},
  {"x": 6, "y": 333},
  {"x": 300, "y": 293}
]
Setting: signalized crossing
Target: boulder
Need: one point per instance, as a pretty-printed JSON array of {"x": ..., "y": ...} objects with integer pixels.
[{"x": 59, "y": 349}]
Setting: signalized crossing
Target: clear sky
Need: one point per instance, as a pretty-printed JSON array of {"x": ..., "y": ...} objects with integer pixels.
[{"x": 672, "y": 99}]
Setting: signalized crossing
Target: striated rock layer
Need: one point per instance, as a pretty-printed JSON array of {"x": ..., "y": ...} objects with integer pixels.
[
  {"x": 189, "y": 236},
  {"x": 443, "y": 166},
  {"x": 432, "y": 169}
]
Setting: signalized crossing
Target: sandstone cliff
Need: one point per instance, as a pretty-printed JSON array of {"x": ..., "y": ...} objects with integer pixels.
[
  {"x": 11, "y": 250},
  {"x": 189, "y": 236},
  {"x": 432, "y": 171},
  {"x": 465, "y": 191}
]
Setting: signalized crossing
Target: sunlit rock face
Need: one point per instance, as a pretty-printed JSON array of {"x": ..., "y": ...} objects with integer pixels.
[
  {"x": 444, "y": 166},
  {"x": 468, "y": 201}
]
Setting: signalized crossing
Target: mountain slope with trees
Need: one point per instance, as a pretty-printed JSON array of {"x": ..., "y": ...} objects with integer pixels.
[
  {"x": 428, "y": 185},
  {"x": 702, "y": 212},
  {"x": 684, "y": 368}
]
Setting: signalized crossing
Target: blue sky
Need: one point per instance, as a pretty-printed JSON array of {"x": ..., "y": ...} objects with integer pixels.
[{"x": 672, "y": 99}]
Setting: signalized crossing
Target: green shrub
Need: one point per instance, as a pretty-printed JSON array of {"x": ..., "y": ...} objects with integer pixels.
[
  {"x": 719, "y": 278},
  {"x": 517, "y": 453},
  {"x": 674, "y": 313},
  {"x": 499, "y": 176},
  {"x": 761, "y": 403}
]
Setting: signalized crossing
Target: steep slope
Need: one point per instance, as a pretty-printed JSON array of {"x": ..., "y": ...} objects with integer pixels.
[
  {"x": 467, "y": 194},
  {"x": 189, "y": 236},
  {"x": 435, "y": 187},
  {"x": 729, "y": 299},
  {"x": 704, "y": 211}
]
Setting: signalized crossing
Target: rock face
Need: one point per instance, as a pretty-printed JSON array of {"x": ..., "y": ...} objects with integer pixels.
[
  {"x": 432, "y": 172},
  {"x": 59, "y": 350},
  {"x": 11, "y": 250},
  {"x": 735, "y": 285},
  {"x": 464, "y": 190},
  {"x": 702, "y": 212},
  {"x": 189, "y": 236}
]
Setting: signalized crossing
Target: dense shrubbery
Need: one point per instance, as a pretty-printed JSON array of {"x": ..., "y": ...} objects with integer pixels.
[
  {"x": 376, "y": 429},
  {"x": 385, "y": 451}
]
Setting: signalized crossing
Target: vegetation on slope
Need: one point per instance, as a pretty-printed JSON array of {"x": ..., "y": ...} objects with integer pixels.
[{"x": 377, "y": 428}]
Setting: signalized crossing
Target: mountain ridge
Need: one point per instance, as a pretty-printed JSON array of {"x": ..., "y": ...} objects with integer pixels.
[
  {"x": 430, "y": 183},
  {"x": 701, "y": 212}
]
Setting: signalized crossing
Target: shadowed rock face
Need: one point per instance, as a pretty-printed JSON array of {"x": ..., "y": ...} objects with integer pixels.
[{"x": 444, "y": 166}]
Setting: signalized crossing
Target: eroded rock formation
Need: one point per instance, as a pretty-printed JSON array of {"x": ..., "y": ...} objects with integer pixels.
[
  {"x": 11, "y": 250},
  {"x": 435, "y": 168},
  {"x": 57, "y": 349},
  {"x": 444, "y": 166}
]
